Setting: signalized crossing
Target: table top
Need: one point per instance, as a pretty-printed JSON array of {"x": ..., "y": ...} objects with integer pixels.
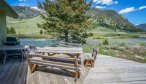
[
  {"x": 60, "y": 50},
  {"x": 17, "y": 47}
]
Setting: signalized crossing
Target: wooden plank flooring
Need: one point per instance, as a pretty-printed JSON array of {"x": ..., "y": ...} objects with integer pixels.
[
  {"x": 13, "y": 72},
  {"x": 46, "y": 75},
  {"x": 111, "y": 70},
  {"x": 107, "y": 70}
]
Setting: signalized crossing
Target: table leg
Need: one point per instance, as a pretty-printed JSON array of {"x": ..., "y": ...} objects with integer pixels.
[
  {"x": 5, "y": 56},
  {"x": 22, "y": 54}
]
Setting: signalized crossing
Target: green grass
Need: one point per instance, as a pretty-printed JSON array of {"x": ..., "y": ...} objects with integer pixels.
[
  {"x": 29, "y": 27},
  {"x": 25, "y": 26}
]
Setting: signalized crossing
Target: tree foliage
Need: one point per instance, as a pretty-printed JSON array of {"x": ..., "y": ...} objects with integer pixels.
[
  {"x": 67, "y": 18},
  {"x": 105, "y": 42},
  {"x": 11, "y": 31}
]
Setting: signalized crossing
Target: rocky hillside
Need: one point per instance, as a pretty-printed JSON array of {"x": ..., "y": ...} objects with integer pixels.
[
  {"x": 27, "y": 12},
  {"x": 142, "y": 26},
  {"x": 103, "y": 18},
  {"x": 111, "y": 19}
]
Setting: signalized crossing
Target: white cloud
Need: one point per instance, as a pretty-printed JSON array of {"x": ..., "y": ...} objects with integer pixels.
[
  {"x": 106, "y": 2},
  {"x": 22, "y": 4},
  {"x": 100, "y": 7},
  {"x": 127, "y": 10},
  {"x": 22, "y": 0},
  {"x": 142, "y": 7}
]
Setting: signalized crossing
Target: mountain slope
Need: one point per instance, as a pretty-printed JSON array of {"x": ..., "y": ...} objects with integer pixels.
[
  {"x": 107, "y": 20},
  {"x": 112, "y": 20},
  {"x": 142, "y": 26},
  {"x": 27, "y": 12}
]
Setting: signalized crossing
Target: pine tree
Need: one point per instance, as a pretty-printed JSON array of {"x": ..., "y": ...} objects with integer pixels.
[
  {"x": 67, "y": 18},
  {"x": 12, "y": 30},
  {"x": 41, "y": 31}
]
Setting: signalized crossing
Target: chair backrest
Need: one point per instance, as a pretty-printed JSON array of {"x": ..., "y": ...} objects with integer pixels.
[
  {"x": 11, "y": 39},
  {"x": 94, "y": 53}
]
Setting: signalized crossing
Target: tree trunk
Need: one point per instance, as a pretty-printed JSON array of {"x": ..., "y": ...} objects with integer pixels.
[{"x": 66, "y": 35}]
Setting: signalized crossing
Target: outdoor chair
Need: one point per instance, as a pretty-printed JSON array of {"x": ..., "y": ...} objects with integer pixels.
[
  {"x": 90, "y": 59},
  {"x": 12, "y": 41}
]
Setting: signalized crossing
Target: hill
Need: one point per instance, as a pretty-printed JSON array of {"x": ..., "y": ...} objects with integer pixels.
[
  {"x": 111, "y": 19},
  {"x": 27, "y": 12},
  {"x": 142, "y": 26},
  {"x": 107, "y": 22}
]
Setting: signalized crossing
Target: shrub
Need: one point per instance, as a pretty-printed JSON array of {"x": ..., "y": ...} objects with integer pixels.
[
  {"x": 122, "y": 44},
  {"x": 41, "y": 31},
  {"x": 12, "y": 31},
  {"x": 142, "y": 44},
  {"x": 105, "y": 42}
]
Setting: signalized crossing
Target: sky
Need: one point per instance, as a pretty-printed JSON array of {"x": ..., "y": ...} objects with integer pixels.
[{"x": 133, "y": 10}]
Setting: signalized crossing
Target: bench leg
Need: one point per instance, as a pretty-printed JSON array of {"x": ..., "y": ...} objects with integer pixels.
[
  {"x": 34, "y": 67},
  {"x": 31, "y": 66}
]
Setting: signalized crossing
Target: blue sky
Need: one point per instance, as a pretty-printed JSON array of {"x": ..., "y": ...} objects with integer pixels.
[{"x": 133, "y": 10}]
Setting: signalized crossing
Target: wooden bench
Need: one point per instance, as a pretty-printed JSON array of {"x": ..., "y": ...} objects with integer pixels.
[
  {"x": 90, "y": 59},
  {"x": 36, "y": 60}
]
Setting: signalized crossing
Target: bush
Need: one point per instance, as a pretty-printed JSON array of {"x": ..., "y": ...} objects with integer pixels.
[
  {"x": 41, "y": 31},
  {"x": 105, "y": 42},
  {"x": 12, "y": 31},
  {"x": 122, "y": 44}
]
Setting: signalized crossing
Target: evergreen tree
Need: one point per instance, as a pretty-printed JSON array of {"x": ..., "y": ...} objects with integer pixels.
[
  {"x": 41, "y": 31},
  {"x": 12, "y": 31},
  {"x": 105, "y": 42},
  {"x": 67, "y": 18}
]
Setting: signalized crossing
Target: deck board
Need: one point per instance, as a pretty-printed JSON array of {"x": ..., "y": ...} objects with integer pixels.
[
  {"x": 13, "y": 72},
  {"x": 107, "y": 70},
  {"x": 111, "y": 70}
]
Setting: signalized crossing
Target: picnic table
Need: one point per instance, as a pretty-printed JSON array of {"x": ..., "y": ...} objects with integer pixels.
[
  {"x": 4, "y": 50},
  {"x": 76, "y": 51},
  {"x": 71, "y": 53}
]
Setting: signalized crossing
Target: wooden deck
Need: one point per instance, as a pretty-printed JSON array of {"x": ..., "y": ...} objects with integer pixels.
[
  {"x": 13, "y": 72},
  {"x": 111, "y": 70},
  {"x": 17, "y": 72},
  {"x": 107, "y": 70}
]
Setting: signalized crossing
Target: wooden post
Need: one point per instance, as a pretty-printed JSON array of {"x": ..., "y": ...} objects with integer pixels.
[{"x": 3, "y": 30}]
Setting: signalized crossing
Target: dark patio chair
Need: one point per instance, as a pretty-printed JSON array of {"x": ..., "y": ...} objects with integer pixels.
[{"x": 12, "y": 41}]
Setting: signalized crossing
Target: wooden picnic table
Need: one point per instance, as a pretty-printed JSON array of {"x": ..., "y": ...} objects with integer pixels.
[
  {"x": 72, "y": 52},
  {"x": 20, "y": 48}
]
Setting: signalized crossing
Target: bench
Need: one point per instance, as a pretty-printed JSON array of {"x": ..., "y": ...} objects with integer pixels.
[
  {"x": 36, "y": 60},
  {"x": 90, "y": 59}
]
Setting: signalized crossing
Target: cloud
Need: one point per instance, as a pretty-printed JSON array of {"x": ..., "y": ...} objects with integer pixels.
[
  {"x": 22, "y": 4},
  {"x": 100, "y": 7},
  {"x": 106, "y": 2},
  {"x": 142, "y": 7},
  {"x": 127, "y": 10},
  {"x": 22, "y": 0}
]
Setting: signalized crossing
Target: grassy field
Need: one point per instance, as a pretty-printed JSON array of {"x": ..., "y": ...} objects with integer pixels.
[
  {"x": 25, "y": 26},
  {"x": 28, "y": 28},
  {"x": 132, "y": 49}
]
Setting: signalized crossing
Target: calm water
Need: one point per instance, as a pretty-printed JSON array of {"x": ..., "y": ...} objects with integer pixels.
[
  {"x": 38, "y": 42},
  {"x": 49, "y": 42}
]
